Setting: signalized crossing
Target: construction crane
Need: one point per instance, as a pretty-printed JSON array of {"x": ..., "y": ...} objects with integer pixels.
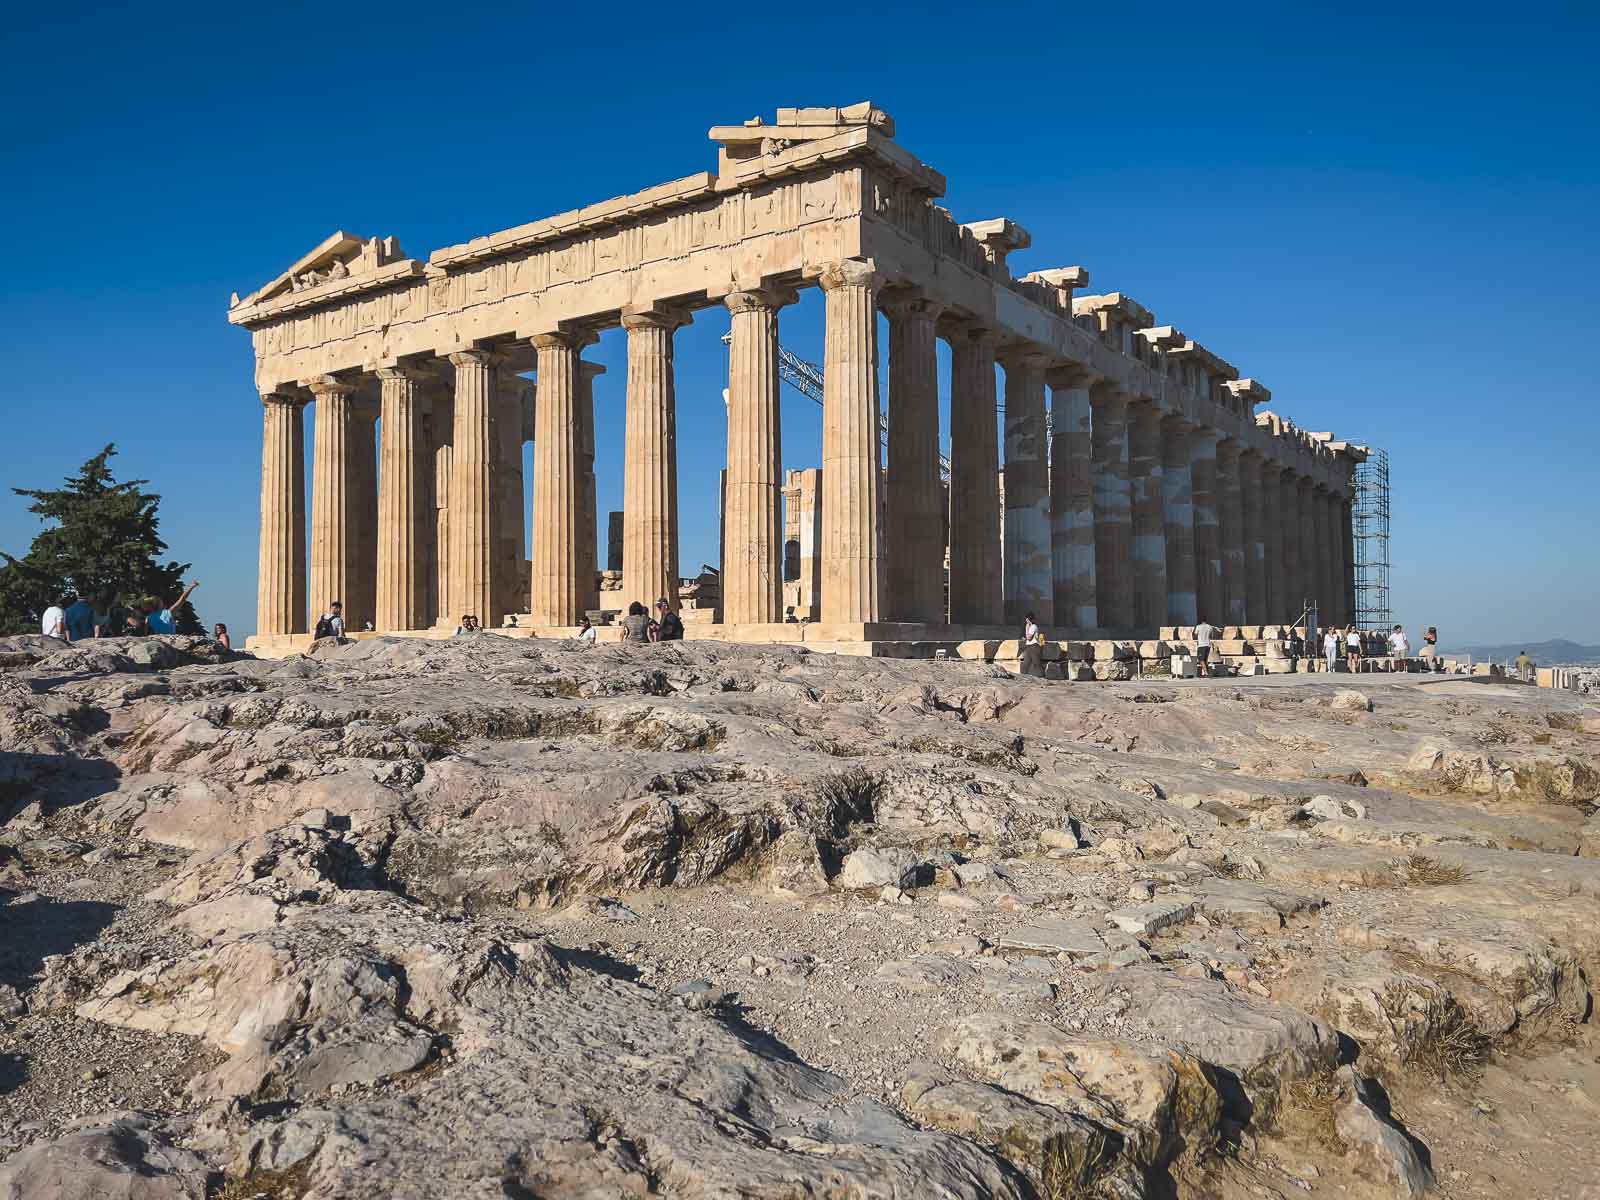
[{"x": 806, "y": 378}]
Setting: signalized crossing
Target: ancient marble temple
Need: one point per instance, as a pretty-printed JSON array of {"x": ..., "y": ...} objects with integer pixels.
[{"x": 1158, "y": 490}]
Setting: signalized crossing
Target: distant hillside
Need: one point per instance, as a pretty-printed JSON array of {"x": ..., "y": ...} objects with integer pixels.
[{"x": 1557, "y": 650}]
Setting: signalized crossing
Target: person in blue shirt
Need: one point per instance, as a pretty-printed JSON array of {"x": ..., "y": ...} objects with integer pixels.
[
  {"x": 80, "y": 619},
  {"x": 161, "y": 620}
]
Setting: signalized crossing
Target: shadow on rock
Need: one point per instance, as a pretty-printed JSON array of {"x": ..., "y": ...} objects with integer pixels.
[{"x": 38, "y": 928}]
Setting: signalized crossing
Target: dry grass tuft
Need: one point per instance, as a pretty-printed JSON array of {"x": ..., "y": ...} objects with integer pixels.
[
  {"x": 1311, "y": 1108},
  {"x": 1072, "y": 1166},
  {"x": 1379, "y": 880},
  {"x": 1422, "y": 871},
  {"x": 1451, "y": 1047}
]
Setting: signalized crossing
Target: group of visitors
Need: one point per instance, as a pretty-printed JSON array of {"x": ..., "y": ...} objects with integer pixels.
[
  {"x": 74, "y": 619},
  {"x": 640, "y": 627}
]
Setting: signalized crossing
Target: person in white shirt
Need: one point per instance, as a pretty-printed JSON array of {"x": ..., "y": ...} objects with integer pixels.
[
  {"x": 1398, "y": 646},
  {"x": 586, "y": 632},
  {"x": 54, "y": 623},
  {"x": 1203, "y": 633},
  {"x": 1330, "y": 649},
  {"x": 1352, "y": 648}
]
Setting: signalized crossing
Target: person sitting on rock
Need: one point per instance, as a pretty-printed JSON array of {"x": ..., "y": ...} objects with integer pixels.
[
  {"x": 669, "y": 626},
  {"x": 636, "y": 625},
  {"x": 161, "y": 619},
  {"x": 586, "y": 632},
  {"x": 469, "y": 624}
]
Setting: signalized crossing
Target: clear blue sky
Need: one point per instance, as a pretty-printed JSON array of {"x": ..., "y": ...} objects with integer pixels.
[{"x": 1386, "y": 214}]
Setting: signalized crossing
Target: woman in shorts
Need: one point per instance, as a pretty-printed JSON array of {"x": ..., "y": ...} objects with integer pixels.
[{"x": 1352, "y": 648}]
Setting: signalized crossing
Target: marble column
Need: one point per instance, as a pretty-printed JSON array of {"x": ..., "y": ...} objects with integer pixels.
[
  {"x": 1072, "y": 501},
  {"x": 1210, "y": 602},
  {"x": 442, "y": 422},
  {"x": 588, "y": 511},
  {"x": 1230, "y": 531},
  {"x": 650, "y": 464},
  {"x": 752, "y": 550},
  {"x": 1348, "y": 558},
  {"x": 852, "y": 544},
  {"x": 1310, "y": 579},
  {"x": 1254, "y": 538},
  {"x": 403, "y": 506},
  {"x": 1275, "y": 604},
  {"x": 554, "y": 587},
  {"x": 474, "y": 507},
  {"x": 914, "y": 505},
  {"x": 1329, "y": 552},
  {"x": 1177, "y": 499},
  {"x": 976, "y": 586},
  {"x": 1026, "y": 559},
  {"x": 334, "y": 557},
  {"x": 1148, "y": 498},
  {"x": 281, "y": 591},
  {"x": 1113, "y": 510},
  {"x": 1294, "y": 584},
  {"x": 511, "y": 563},
  {"x": 362, "y": 609}
]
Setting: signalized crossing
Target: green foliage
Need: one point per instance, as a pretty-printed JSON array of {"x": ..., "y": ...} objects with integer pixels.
[{"x": 101, "y": 541}]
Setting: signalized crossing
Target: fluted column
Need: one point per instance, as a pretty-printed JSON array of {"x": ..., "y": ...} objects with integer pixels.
[
  {"x": 914, "y": 506},
  {"x": 1348, "y": 558},
  {"x": 588, "y": 512},
  {"x": 1276, "y": 605},
  {"x": 1294, "y": 583},
  {"x": 976, "y": 587},
  {"x": 852, "y": 547},
  {"x": 1230, "y": 531},
  {"x": 402, "y": 504},
  {"x": 650, "y": 465},
  {"x": 1327, "y": 558},
  {"x": 1113, "y": 511},
  {"x": 554, "y": 587},
  {"x": 510, "y": 577},
  {"x": 1310, "y": 579},
  {"x": 1210, "y": 603},
  {"x": 1147, "y": 496},
  {"x": 442, "y": 421},
  {"x": 281, "y": 591},
  {"x": 474, "y": 502},
  {"x": 1027, "y": 565},
  {"x": 1177, "y": 499},
  {"x": 1072, "y": 501},
  {"x": 1254, "y": 539},
  {"x": 361, "y": 601},
  {"x": 333, "y": 520},
  {"x": 752, "y": 551}
]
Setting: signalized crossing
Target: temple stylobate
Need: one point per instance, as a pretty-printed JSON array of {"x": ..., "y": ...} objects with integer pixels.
[{"x": 1137, "y": 483}]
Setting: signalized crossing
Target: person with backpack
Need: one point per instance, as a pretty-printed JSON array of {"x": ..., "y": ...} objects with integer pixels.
[
  {"x": 330, "y": 624},
  {"x": 669, "y": 626}
]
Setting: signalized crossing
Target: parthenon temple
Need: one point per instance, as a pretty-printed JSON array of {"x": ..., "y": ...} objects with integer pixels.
[{"x": 1138, "y": 482}]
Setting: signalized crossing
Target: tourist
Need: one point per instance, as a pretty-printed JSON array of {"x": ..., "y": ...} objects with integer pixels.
[
  {"x": 669, "y": 626},
  {"x": 1033, "y": 650},
  {"x": 1203, "y": 633},
  {"x": 1525, "y": 667},
  {"x": 788, "y": 616},
  {"x": 636, "y": 625},
  {"x": 469, "y": 624},
  {"x": 160, "y": 619},
  {"x": 1399, "y": 647},
  {"x": 331, "y": 623},
  {"x": 1030, "y": 628},
  {"x": 1430, "y": 641},
  {"x": 107, "y": 618},
  {"x": 1352, "y": 648},
  {"x": 1330, "y": 648},
  {"x": 587, "y": 632},
  {"x": 80, "y": 619},
  {"x": 219, "y": 634},
  {"x": 133, "y": 623},
  {"x": 54, "y": 622}
]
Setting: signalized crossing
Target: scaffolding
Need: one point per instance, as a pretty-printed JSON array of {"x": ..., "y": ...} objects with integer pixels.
[{"x": 1370, "y": 527}]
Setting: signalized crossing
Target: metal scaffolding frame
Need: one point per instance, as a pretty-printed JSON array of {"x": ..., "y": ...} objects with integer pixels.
[{"x": 1370, "y": 526}]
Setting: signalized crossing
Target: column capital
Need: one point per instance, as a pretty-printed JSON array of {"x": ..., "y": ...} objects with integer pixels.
[
  {"x": 328, "y": 385},
  {"x": 910, "y": 304},
  {"x": 850, "y": 272},
  {"x": 285, "y": 399},
  {"x": 398, "y": 373},
  {"x": 1023, "y": 355},
  {"x": 591, "y": 370},
  {"x": 1176, "y": 423},
  {"x": 655, "y": 316},
  {"x": 1228, "y": 448},
  {"x": 474, "y": 356},
  {"x": 760, "y": 299},
  {"x": 558, "y": 339},
  {"x": 956, "y": 329},
  {"x": 1107, "y": 395},
  {"x": 1069, "y": 375}
]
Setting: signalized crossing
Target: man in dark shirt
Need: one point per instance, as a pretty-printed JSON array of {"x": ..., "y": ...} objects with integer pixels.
[{"x": 670, "y": 624}]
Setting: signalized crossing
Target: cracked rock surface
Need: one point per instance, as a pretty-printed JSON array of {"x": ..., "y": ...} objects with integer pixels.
[{"x": 490, "y": 918}]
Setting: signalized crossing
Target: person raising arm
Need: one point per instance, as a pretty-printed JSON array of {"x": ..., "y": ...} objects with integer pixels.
[{"x": 162, "y": 620}]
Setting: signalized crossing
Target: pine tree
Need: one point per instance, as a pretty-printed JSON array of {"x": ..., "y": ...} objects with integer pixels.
[{"x": 103, "y": 544}]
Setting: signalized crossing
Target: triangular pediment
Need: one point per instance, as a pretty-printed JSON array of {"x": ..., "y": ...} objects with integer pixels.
[{"x": 337, "y": 257}]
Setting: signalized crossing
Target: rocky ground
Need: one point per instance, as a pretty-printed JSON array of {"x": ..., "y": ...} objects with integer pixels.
[{"x": 492, "y": 918}]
